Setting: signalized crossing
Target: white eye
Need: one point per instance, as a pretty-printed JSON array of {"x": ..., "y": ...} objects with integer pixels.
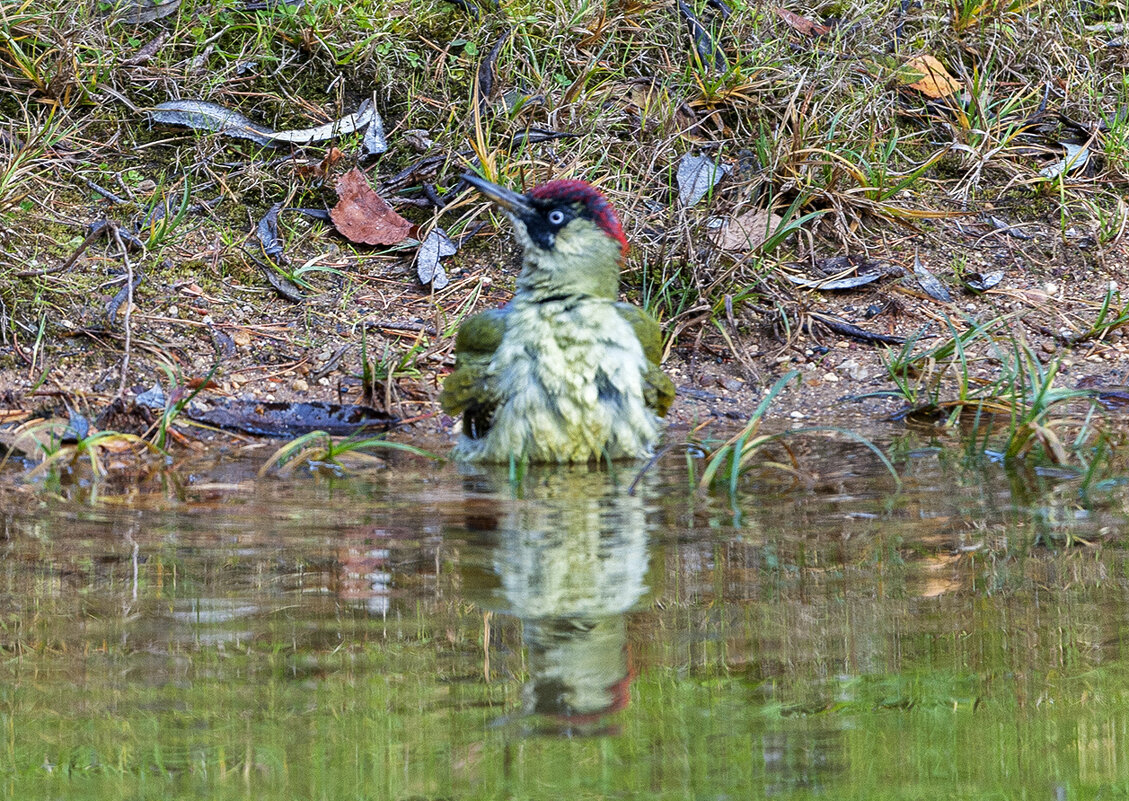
[{"x": 556, "y": 217}]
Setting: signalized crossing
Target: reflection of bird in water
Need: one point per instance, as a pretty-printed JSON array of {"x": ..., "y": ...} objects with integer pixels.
[
  {"x": 569, "y": 558},
  {"x": 579, "y": 668}
]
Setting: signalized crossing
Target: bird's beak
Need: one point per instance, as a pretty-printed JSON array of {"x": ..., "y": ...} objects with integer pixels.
[{"x": 511, "y": 201}]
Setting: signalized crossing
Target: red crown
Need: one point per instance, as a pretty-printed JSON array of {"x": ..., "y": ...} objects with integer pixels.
[{"x": 573, "y": 191}]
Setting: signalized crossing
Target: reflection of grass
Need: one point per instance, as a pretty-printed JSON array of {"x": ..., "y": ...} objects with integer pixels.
[
  {"x": 319, "y": 449},
  {"x": 95, "y": 448}
]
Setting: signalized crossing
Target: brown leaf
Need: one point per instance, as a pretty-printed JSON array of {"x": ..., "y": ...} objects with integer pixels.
[
  {"x": 201, "y": 383},
  {"x": 928, "y": 76},
  {"x": 747, "y": 232},
  {"x": 364, "y": 216},
  {"x": 321, "y": 169},
  {"x": 802, "y": 24}
]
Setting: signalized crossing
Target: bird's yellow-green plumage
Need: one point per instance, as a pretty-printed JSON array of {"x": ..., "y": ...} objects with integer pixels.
[{"x": 564, "y": 372}]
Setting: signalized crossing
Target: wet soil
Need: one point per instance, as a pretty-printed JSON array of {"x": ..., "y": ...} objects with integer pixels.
[{"x": 256, "y": 345}]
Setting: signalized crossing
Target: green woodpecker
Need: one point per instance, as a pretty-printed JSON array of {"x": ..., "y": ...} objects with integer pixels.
[{"x": 564, "y": 372}]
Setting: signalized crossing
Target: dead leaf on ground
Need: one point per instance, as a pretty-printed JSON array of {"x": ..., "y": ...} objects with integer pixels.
[
  {"x": 361, "y": 215},
  {"x": 267, "y": 233},
  {"x": 982, "y": 282},
  {"x": 319, "y": 170},
  {"x": 928, "y": 76},
  {"x": 1076, "y": 157},
  {"x": 844, "y": 272},
  {"x": 801, "y": 24},
  {"x": 271, "y": 5},
  {"x": 709, "y": 53},
  {"x": 933, "y": 288},
  {"x": 138, "y": 12},
  {"x": 282, "y": 285},
  {"x": 697, "y": 176},
  {"x": 434, "y": 247},
  {"x": 747, "y": 232},
  {"x": 202, "y": 115},
  {"x": 375, "y": 142},
  {"x": 849, "y": 282}
]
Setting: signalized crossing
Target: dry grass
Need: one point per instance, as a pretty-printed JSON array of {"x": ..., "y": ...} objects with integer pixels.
[{"x": 806, "y": 124}]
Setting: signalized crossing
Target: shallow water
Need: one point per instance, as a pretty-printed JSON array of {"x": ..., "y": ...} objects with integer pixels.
[{"x": 430, "y": 633}]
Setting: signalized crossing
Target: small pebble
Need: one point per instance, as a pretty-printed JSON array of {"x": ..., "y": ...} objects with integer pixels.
[
  {"x": 299, "y": 385},
  {"x": 853, "y": 369},
  {"x": 174, "y": 311}
]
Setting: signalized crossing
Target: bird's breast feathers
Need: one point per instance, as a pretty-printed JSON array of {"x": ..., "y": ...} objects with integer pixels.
[{"x": 569, "y": 379}]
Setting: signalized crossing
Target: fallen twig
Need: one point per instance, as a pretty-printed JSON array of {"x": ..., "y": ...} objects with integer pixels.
[
  {"x": 853, "y": 331},
  {"x": 486, "y": 72},
  {"x": 412, "y": 327},
  {"x": 708, "y": 51},
  {"x": 128, "y": 307},
  {"x": 95, "y": 229}
]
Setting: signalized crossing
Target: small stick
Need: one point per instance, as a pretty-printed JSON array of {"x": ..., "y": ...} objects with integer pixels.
[
  {"x": 128, "y": 306},
  {"x": 416, "y": 328},
  {"x": 95, "y": 229}
]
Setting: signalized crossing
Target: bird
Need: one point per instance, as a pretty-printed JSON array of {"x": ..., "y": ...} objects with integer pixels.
[{"x": 564, "y": 372}]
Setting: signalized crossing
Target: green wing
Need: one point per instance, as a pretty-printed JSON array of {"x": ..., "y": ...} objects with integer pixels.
[
  {"x": 465, "y": 390},
  {"x": 659, "y": 389}
]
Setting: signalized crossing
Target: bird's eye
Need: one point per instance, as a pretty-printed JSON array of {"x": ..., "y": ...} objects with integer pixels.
[{"x": 556, "y": 217}]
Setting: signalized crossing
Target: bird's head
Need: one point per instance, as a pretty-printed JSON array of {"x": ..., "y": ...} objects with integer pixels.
[{"x": 571, "y": 236}]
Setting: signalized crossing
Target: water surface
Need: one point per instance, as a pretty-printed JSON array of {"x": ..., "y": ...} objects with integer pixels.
[{"x": 427, "y": 632}]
